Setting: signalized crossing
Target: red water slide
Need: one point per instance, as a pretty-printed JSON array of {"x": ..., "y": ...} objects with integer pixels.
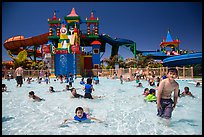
[{"x": 18, "y": 43}]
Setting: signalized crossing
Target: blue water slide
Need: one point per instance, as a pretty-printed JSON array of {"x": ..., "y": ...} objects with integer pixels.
[
  {"x": 182, "y": 60},
  {"x": 115, "y": 41}
]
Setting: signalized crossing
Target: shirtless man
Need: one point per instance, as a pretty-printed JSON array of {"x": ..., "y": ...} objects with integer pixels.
[
  {"x": 19, "y": 76},
  {"x": 165, "y": 105}
]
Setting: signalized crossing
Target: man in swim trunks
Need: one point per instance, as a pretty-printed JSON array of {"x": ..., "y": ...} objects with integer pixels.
[
  {"x": 19, "y": 76},
  {"x": 165, "y": 104}
]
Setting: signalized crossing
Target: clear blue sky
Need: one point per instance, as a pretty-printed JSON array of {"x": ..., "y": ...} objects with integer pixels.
[{"x": 146, "y": 23}]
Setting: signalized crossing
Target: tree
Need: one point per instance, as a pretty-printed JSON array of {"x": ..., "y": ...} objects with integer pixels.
[
  {"x": 130, "y": 62},
  {"x": 21, "y": 58},
  {"x": 111, "y": 61}
]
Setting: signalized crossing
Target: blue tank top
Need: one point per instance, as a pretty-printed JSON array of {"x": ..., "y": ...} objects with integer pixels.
[
  {"x": 84, "y": 117},
  {"x": 88, "y": 88}
]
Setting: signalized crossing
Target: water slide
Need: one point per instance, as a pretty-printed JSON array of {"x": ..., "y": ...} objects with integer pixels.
[
  {"x": 168, "y": 60},
  {"x": 115, "y": 43},
  {"x": 182, "y": 60},
  {"x": 18, "y": 43}
]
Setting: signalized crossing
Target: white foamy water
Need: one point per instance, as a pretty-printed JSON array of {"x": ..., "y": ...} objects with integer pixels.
[{"x": 123, "y": 110}]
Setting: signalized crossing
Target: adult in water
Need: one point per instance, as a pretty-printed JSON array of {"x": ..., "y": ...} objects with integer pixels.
[
  {"x": 19, "y": 76},
  {"x": 75, "y": 94}
]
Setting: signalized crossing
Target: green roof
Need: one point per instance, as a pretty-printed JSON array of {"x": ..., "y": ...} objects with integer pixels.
[
  {"x": 54, "y": 22},
  {"x": 72, "y": 18}
]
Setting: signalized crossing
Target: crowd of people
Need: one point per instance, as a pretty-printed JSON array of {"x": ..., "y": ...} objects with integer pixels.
[{"x": 160, "y": 92}]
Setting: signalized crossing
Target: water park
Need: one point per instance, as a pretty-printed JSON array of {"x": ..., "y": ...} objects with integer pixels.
[
  {"x": 57, "y": 63},
  {"x": 62, "y": 48}
]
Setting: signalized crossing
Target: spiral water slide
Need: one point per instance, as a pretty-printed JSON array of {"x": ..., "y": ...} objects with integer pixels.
[{"x": 18, "y": 43}]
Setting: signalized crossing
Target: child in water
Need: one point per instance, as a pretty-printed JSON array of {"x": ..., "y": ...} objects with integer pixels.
[
  {"x": 34, "y": 97},
  {"x": 4, "y": 87},
  {"x": 80, "y": 115},
  {"x": 139, "y": 84},
  {"x": 165, "y": 105},
  {"x": 88, "y": 89},
  {"x": 186, "y": 92},
  {"x": 66, "y": 88},
  {"x": 146, "y": 92},
  {"x": 82, "y": 82},
  {"x": 51, "y": 89},
  {"x": 151, "y": 96}
]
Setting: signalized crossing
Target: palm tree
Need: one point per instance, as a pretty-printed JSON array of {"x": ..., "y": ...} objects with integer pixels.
[
  {"x": 130, "y": 62},
  {"x": 21, "y": 58},
  {"x": 111, "y": 61}
]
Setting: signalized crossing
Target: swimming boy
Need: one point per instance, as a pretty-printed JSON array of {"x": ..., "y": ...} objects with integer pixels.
[
  {"x": 186, "y": 92},
  {"x": 81, "y": 115},
  {"x": 34, "y": 97},
  {"x": 51, "y": 89},
  {"x": 165, "y": 105}
]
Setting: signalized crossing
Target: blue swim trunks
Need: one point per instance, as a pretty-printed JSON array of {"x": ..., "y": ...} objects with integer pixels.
[{"x": 166, "y": 110}]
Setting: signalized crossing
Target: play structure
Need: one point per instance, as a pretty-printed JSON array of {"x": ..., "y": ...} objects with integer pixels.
[{"x": 64, "y": 45}]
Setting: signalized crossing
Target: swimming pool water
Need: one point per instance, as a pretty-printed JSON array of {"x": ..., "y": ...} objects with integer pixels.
[{"x": 122, "y": 109}]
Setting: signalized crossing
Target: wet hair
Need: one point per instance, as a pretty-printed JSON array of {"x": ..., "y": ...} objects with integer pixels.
[
  {"x": 173, "y": 70},
  {"x": 51, "y": 87},
  {"x": 3, "y": 85},
  {"x": 152, "y": 91},
  {"x": 146, "y": 89},
  {"x": 78, "y": 108},
  {"x": 31, "y": 93},
  {"x": 198, "y": 84},
  {"x": 186, "y": 88},
  {"x": 72, "y": 89},
  {"x": 89, "y": 81}
]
